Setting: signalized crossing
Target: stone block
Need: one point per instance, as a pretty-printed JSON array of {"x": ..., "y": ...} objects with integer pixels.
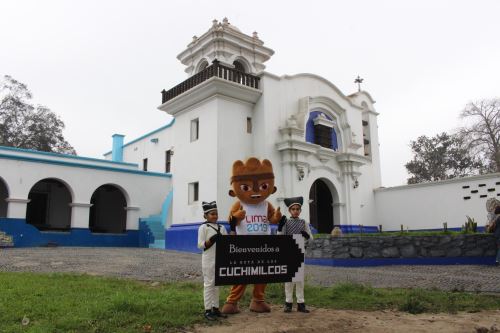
[
  {"x": 408, "y": 251},
  {"x": 477, "y": 252},
  {"x": 437, "y": 253},
  {"x": 454, "y": 252},
  {"x": 490, "y": 253},
  {"x": 341, "y": 256},
  {"x": 390, "y": 252},
  {"x": 356, "y": 252}
]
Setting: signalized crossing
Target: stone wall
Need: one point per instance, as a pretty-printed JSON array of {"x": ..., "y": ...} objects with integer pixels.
[{"x": 473, "y": 245}]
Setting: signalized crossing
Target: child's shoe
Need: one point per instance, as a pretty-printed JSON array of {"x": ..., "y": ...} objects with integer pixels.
[
  {"x": 217, "y": 313},
  {"x": 209, "y": 315},
  {"x": 301, "y": 307},
  {"x": 288, "y": 307}
]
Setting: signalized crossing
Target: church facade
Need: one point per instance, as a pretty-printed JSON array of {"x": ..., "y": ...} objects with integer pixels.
[{"x": 323, "y": 145}]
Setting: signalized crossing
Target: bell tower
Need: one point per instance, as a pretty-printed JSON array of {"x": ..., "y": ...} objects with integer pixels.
[{"x": 227, "y": 44}]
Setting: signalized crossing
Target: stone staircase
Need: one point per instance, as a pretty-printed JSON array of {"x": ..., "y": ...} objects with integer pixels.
[
  {"x": 157, "y": 229},
  {"x": 6, "y": 240}
]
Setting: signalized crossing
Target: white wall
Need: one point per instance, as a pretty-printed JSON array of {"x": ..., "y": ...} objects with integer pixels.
[
  {"x": 145, "y": 194},
  {"x": 233, "y": 143},
  {"x": 195, "y": 161},
  {"x": 428, "y": 205}
]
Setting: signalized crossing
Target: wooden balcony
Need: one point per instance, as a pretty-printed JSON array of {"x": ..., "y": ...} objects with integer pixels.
[{"x": 216, "y": 69}]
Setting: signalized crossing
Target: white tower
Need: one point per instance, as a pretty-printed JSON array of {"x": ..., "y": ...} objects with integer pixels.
[{"x": 213, "y": 110}]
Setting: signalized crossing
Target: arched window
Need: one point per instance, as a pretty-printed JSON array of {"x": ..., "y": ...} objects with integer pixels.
[
  {"x": 321, "y": 129},
  {"x": 108, "y": 214},
  {"x": 239, "y": 66},
  {"x": 49, "y": 207},
  {"x": 202, "y": 66}
]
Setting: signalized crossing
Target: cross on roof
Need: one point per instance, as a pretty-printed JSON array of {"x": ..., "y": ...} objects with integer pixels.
[{"x": 359, "y": 81}]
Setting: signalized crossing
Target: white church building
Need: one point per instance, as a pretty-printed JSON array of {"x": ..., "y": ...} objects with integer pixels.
[{"x": 323, "y": 145}]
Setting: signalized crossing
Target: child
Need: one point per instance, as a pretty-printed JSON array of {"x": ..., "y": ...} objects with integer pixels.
[
  {"x": 496, "y": 232},
  {"x": 294, "y": 225},
  {"x": 208, "y": 233}
]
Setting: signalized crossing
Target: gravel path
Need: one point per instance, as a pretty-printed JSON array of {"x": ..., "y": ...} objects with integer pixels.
[{"x": 161, "y": 265}]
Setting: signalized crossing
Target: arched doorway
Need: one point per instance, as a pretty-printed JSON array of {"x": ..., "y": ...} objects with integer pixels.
[
  {"x": 49, "y": 207},
  {"x": 4, "y": 194},
  {"x": 108, "y": 214},
  {"x": 321, "y": 207}
]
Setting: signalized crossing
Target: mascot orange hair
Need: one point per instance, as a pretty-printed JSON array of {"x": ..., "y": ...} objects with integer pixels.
[{"x": 252, "y": 183}]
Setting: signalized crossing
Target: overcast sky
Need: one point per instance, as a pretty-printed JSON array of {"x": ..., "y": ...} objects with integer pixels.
[{"x": 100, "y": 65}]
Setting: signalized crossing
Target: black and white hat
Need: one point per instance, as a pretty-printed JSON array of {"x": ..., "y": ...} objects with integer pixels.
[
  {"x": 294, "y": 201},
  {"x": 208, "y": 206}
]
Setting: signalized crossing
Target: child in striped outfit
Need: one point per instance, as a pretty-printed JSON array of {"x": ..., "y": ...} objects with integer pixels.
[{"x": 291, "y": 226}]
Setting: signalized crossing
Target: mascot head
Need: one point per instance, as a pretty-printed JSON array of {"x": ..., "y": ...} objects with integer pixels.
[{"x": 253, "y": 181}]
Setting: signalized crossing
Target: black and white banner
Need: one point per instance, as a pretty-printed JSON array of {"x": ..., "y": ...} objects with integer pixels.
[{"x": 254, "y": 259}]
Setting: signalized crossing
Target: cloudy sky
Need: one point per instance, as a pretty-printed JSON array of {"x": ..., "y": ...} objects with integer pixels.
[{"x": 100, "y": 65}]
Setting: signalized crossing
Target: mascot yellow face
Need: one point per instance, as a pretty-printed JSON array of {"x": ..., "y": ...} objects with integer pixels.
[{"x": 253, "y": 181}]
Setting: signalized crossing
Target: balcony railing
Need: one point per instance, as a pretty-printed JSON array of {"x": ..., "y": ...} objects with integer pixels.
[{"x": 216, "y": 69}]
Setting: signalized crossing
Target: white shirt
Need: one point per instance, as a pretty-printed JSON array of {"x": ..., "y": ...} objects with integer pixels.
[{"x": 255, "y": 221}]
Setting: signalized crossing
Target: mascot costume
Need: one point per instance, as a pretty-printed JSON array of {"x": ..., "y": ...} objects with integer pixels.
[{"x": 252, "y": 183}]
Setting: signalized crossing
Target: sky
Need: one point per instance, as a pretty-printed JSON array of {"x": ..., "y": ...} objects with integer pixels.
[{"x": 100, "y": 65}]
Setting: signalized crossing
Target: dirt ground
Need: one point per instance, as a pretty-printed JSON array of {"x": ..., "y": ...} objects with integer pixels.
[{"x": 325, "y": 320}]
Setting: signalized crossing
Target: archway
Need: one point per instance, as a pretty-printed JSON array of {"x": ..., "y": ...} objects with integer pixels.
[
  {"x": 108, "y": 214},
  {"x": 49, "y": 207},
  {"x": 4, "y": 194},
  {"x": 321, "y": 207}
]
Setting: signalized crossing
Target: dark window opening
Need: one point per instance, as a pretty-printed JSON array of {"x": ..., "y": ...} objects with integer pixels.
[
  {"x": 249, "y": 125},
  {"x": 193, "y": 192},
  {"x": 145, "y": 164},
  {"x": 168, "y": 158},
  {"x": 323, "y": 136}
]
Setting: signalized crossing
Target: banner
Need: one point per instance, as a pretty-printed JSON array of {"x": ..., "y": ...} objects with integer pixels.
[{"x": 254, "y": 259}]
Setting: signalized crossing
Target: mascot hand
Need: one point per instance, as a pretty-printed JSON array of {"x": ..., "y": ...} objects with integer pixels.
[
  {"x": 282, "y": 223},
  {"x": 240, "y": 214},
  {"x": 305, "y": 234},
  {"x": 277, "y": 215}
]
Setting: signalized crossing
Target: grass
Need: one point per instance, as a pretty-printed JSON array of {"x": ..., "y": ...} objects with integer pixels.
[{"x": 81, "y": 303}]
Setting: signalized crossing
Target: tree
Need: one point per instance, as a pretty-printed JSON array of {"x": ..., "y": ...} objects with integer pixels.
[
  {"x": 23, "y": 125},
  {"x": 483, "y": 133},
  {"x": 441, "y": 157}
]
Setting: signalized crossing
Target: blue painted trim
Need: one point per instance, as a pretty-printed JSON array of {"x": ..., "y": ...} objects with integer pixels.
[
  {"x": 26, "y": 235},
  {"x": 31, "y": 151},
  {"x": 85, "y": 166},
  {"x": 117, "y": 152},
  {"x": 367, "y": 229},
  {"x": 145, "y": 135},
  {"x": 402, "y": 261}
]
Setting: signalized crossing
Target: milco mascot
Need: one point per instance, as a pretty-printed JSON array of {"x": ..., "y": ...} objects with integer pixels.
[{"x": 252, "y": 183}]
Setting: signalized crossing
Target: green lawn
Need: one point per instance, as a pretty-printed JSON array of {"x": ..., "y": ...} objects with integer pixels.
[{"x": 80, "y": 303}]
